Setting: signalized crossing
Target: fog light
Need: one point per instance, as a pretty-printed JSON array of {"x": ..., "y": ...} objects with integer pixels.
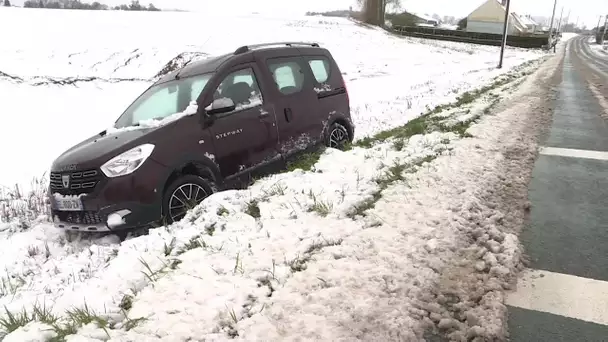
[{"x": 117, "y": 219}]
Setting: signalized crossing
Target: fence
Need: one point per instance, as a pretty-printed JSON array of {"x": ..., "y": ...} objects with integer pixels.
[{"x": 531, "y": 42}]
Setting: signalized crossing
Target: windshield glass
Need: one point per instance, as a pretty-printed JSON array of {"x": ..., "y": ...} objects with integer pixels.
[{"x": 163, "y": 100}]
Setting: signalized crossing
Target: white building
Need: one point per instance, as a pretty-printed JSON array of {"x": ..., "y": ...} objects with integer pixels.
[
  {"x": 527, "y": 20},
  {"x": 490, "y": 18}
]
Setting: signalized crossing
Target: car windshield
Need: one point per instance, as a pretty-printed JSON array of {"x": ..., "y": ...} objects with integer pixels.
[{"x": 163, "y": 100}]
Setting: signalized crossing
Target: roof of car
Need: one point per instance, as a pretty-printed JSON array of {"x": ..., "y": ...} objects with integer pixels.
[{"x": 208, "y": 65}]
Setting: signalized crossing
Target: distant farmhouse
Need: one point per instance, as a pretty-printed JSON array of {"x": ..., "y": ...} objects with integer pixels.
[{"x": 490, "y": 18}]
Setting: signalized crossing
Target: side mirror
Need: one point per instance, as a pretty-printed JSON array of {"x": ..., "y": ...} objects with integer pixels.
[{"x": 220, "y": 106}]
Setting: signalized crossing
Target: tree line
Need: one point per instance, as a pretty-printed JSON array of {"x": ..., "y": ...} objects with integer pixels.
[{"x": 77, "y": 4}]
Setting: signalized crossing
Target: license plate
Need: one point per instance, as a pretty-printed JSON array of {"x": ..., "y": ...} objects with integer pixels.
[{"x": 69, "y": 204}]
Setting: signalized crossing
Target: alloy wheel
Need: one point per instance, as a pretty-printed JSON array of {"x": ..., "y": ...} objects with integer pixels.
[
  {"x": 338, "y": 137},
  {"x": 184, "y": 198}
]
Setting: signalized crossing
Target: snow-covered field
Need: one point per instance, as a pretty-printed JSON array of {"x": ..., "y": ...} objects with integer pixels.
[
  {"x": 351, "y": 250},
  {"x": 601, "y": 50},
  {"x": 390, "y": 79}
]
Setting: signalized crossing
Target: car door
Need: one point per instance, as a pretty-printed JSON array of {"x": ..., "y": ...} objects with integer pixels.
[
  {"x": 246, "y": 137},
  {"x": 295, "y": 103}
]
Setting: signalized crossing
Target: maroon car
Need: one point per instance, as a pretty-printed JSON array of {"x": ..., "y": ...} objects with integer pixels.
[{"x": 205, "y": 127}]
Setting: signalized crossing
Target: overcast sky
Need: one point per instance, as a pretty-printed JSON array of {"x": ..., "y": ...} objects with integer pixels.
[{"x": 588, "y": 11}]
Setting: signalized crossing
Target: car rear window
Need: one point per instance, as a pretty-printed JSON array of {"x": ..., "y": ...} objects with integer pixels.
[
  {"x": 287, "y": 75},
  {"x": 320, "y": 68}
]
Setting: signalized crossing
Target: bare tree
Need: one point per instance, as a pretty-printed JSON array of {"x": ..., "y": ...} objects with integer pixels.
[{"x": 374, "y": 10}]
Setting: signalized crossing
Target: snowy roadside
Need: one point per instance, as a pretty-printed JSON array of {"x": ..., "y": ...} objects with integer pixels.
[{"x": 349, "y": 250}]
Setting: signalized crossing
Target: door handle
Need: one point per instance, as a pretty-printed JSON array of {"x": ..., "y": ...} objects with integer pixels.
[
  {"x": 287, "y": 112},
  {"x": 263, "y": 114}
]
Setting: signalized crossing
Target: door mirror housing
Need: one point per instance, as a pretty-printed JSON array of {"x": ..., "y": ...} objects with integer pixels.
[{"x": 220, "y": 106}]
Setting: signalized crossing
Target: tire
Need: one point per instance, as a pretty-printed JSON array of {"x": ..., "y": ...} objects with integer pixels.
[
  {"x": 184, "y": 194},
  {"x": 337, "y": 136}
]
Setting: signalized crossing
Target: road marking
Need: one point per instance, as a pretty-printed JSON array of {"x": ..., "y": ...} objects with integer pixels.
[
  {"x": 562, "y": 294},
  {"x": 573, "y": 153}
]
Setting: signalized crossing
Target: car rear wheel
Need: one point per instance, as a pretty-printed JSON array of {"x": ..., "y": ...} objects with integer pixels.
[
  {"x": 183, "y": 194},
  {"x": 337, "y": 136}
]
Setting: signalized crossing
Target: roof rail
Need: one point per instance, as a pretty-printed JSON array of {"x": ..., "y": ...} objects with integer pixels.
[{"x": 246, "y": 48}]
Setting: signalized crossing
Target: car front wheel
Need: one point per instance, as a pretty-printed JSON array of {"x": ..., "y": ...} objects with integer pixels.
[{"x": 183, "y": 194}]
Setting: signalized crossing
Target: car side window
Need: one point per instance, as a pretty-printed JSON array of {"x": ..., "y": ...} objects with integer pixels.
[
  {"x": 242, "y": 88},
  {"x": 320, "y": 68},
  {"x": 288, "y": 76}
]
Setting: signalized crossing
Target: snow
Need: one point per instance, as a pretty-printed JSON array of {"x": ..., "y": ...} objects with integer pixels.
[
  {"x": 59, "y": 197},
  {"x": 324, "y": 87},
  {"x": 601, "y": 50},
  {"x": 298, "y": 255},
  {"x": 388, "y": 73},
  {"x": 115, "y": 220},
  {"x": 220, "y": 103},
  {"x": 155, "y": 123},
  {"x": 566, "y": 36},
  {"x": 210, "y": 156},
  {"x": 33, "y": 332}
]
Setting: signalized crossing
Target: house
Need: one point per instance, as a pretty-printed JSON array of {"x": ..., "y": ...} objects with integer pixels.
[
  {"x": 490, "y": 18},
  {"x": 426, "y": 21},
  {"x": 527, "y": 20}
]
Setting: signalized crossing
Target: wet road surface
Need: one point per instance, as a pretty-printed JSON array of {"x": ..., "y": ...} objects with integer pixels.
[{"x": 564, "y": 295}]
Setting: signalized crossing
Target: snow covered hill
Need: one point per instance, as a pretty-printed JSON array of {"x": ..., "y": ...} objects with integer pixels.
[{"x": 350, "y": 248}]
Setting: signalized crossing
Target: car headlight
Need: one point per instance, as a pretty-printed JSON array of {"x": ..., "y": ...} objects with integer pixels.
[{"x": 127, "y": 162}]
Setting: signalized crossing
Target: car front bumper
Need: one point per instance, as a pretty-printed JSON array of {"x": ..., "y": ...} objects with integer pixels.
[{"x": 126, "y": 202}]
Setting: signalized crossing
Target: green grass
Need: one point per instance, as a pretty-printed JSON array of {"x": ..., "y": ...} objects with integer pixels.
[
  {"x": 304, "y": 161},
  {"x": 253, "y": 209},
  {"x": 13, "y": 321},
  {"x": 299, "y": 263},
  {"x": 322, "y": 208}
]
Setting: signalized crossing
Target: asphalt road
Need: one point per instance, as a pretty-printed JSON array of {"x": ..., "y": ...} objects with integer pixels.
[{"x": 565, "y": 295}]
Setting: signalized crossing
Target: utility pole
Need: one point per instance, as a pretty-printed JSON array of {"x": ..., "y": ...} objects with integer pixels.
[
  {"x": 559, "y": 26},
  {"x": 505, "y": 34},
  {"x": 568, "y": 18},
  {"x": 551, "y": 26},
  {"x": 599, "y": 20},
  {"x": 605, "y": 30}
]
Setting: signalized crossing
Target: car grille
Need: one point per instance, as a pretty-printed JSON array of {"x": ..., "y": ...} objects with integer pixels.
[
  {"x": 79, "y": 217},
  {"x": 80, "y": 182}
]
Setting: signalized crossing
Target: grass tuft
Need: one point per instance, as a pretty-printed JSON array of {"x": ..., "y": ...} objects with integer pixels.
[
  {"x": 168, "y": 249},
  {"x": 126, "y": 303},
  {"x": 222, "y": 211},
  {"x": 253, "y": 209},
  {"x": 322, "y": 208},
  {"x": 398, "y": 144},
  {"x": 23, "y": 207},
  {"x": 10, "y": 284},
  {"x": 14, "y": 321},
  {"x": 210, "y": 228}
]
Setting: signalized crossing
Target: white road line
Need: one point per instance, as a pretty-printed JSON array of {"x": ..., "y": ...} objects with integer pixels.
[
  {"x": 562, "y": 294},
  {"x": 573, "y": 153}
]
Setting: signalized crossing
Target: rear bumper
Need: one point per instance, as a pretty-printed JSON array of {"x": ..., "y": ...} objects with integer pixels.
[{"x": 127, "y": 202}]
